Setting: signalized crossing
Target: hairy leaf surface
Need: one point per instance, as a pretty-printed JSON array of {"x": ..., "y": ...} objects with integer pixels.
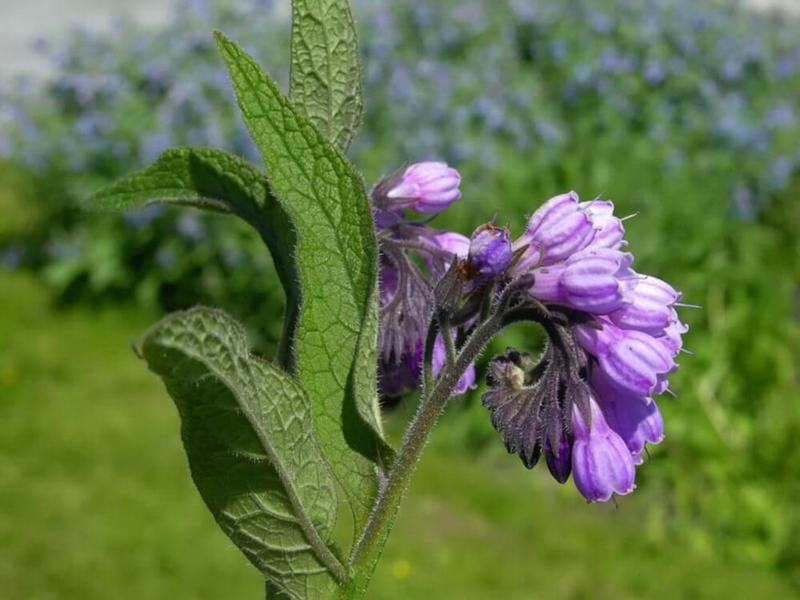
[
  {"x": 249, "y": 435},
  {"x": 326, "y": 73},
  {"x": 216, "y": 180},
  {"x": 337, "y": 267}
]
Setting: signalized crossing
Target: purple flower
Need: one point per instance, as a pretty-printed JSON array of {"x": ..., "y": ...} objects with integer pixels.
[
  {"x": 557, "y": 229},
  {"x": 398, "y": 376},
  {"x": 426, "y": 187},
  {"x": 439, "y": 362},
  {"x": 635, "y": 419},
  {"x": 648, "y": 307},
  {"x": 591, "y": 280},
  {"x": 388, "y": 283},
  {"x": 602, "y": 465},
  {"x": 489, "y": 251},
  {"x": 634, "y": 360},
  {"x": 453, "y": 242},
  {"x": 672, "y": 339},
  {"x": 608, "y": 229}
]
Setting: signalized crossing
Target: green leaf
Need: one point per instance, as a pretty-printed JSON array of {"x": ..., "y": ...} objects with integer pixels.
[
  {"x": 249, "y": 435},
  {"x": 336, "y": 259},
  {"x": 216, "y": 180},
  {"x": 326, "y": 72}
]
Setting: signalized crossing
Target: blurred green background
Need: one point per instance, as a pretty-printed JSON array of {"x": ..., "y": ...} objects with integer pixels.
[{"x": 686, "y": 113}]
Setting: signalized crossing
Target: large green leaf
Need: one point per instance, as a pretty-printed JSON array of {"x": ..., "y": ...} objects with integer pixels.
[
  {"x": 249, "y": 435},
  {"x": 213, "y": 179},
  {"x": 326, "y": 73},
  {"x": 337, "y": 267}
]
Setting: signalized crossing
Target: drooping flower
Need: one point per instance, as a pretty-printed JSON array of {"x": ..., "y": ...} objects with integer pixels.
[
  {"x": 613, "y": 336},
  {"x": 636, "y": 420},
  {"x": 648, "y": 307},
  {"x": 632, "y": 359},
  {"x": 439, "y": 361},
  {"x": 602, "y": 465}
]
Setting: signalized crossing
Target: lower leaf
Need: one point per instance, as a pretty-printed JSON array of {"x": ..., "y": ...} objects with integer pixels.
[{"x": 249, "y": 435}]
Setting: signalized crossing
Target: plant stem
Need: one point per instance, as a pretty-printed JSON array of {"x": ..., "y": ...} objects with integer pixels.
[{"x": 369, "y": 546}]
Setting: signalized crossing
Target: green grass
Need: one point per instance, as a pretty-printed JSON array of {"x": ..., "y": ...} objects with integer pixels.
[{"x": 96, "y": 500}]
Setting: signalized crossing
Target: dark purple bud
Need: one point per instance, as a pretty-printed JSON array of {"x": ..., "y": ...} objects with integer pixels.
[
  {"x": 559, "y": 455},
  {"x": 489, "y": 251},
  {"x": 602, "y": 465}
]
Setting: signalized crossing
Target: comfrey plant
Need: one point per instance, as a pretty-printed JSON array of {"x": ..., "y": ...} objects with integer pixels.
[{"x": 379, "y": 302}]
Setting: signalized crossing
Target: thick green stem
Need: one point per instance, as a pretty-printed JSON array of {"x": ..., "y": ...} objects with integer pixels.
[{"x": 370, "y": 545}]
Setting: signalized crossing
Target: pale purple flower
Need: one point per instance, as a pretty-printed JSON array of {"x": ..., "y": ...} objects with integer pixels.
[
  {"x": 602, "y": 465},
  {"x": 439, "y": 361},
  {"x": 608, "y": 228},
  {"x": 557, "y": 229},
  {"x": 590, "y": 280},
  {"x": 453, "y": 242},
  {"x": 648, "y": 307},
  {"x": 634, "y": 360},
  {"x": 425, "y": 187},
  {"x": 635, "y": 419}
]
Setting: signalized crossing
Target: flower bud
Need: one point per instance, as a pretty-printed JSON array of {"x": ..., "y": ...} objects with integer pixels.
[
  {"x": 489, "y": 252},
  {"x": 590, "y": 280},
  {"x": 425, "y": 187},
  {"x": 556, "y": 230},
  {"x": 649, "y": 305},
  {"x": 558, "y": 455},
  {"x": 602, "y": 465}
]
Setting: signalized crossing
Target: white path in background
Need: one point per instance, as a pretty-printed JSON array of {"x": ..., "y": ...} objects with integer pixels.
[{"x": 22, "y": 21}]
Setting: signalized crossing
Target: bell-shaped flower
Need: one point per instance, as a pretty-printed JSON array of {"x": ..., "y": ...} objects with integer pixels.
[
  {"x": 631, "y": 359},
  {"x": 648, "y": 307},
  {"x": 590, "y": 280},
  {"x": 636, "y": 420},
  {"x": 602, "y": 465},
  {"x": 557, "y": 229}
]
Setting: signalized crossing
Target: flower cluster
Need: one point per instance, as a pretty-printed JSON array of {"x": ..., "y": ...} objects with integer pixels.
[
  {"x": 406, "y": 293},
  {"x": 614, "y": 335}
]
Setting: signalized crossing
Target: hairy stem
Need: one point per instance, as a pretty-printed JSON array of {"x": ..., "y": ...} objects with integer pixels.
[{"x": 369, "y": 546}]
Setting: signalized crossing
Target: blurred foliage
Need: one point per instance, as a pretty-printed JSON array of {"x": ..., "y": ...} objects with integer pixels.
[{"x": 683, "y": 112}]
